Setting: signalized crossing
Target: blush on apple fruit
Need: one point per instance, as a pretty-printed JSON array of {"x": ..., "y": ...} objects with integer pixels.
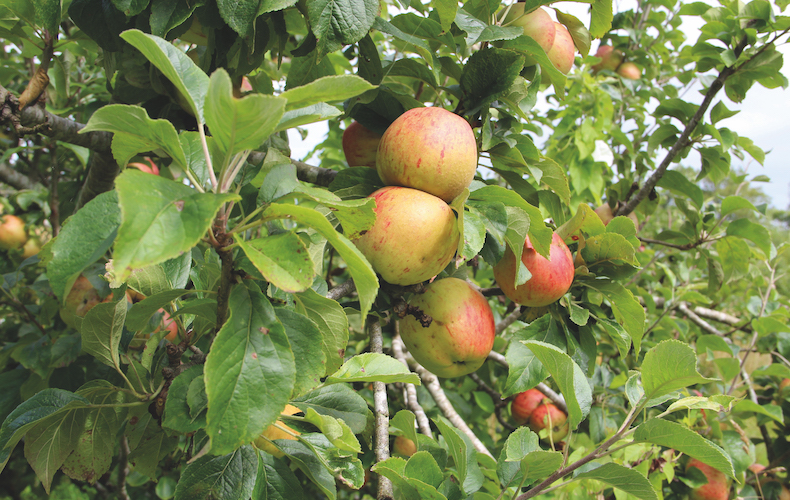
[
  {"x": 563, "y": 50},
  {"x": 273, "y": 432},
  {"x": 524, "y": 404},
  {"x": 414, "y": 237},
  {"x": 537, "y": 24},
  {"x": 548, "y": 416},
  {"x": 430, "y": 149},
  {"x": 551, "y": 278},
  {"x": 12, "y": 233},
  {"x": 404, "y": 446},
  {"x": 630, "y": 71},
  {"x": 81, "y": 298},
  {"x": 610, "y": 57},
  {"x": 717, "y": 488},
  {"x": 462, "y": 332},
  {"x": 606, "y": 214},
  {"x": 360, "y": 145}
]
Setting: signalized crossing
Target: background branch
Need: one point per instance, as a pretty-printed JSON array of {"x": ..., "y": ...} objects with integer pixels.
[
  {"x": 381, "y": 435},
  {"x": 412, "y": 403}
]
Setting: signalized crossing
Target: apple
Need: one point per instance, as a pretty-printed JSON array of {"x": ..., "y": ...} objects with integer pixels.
[
  {"x": 81, "y": 298},
  {"x": 12, "y": 233},
  {"x": 610, "y": 57},
  {"x": 563, "y": 50},
  {"x": 360, "y": 145},
  {"x": 414, "y": 237},
  {"x": 170, "y": 325},
  {"x": 462, "y": 332},
  {"x": 32, "y": 247},
  {"x": 537, "y": 24},
  {"x": 548, "y": 416},
  {"x": 404, "y": 446},
  {"x": 430, "y": 149},
  {"x": 606, "y": 214},
  {"x": 717, "y": 488},
  {"x": 524, "y": 404},
  {"x": 272, "y": 432},
  {"x": 550, "y": 278},
  {"x": 630, "y": 71}
]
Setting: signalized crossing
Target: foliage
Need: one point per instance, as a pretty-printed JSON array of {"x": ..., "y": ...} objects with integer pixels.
[{"x": 671, "y": 342}]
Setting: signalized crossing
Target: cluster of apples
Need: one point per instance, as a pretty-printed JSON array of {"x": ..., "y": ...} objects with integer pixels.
[
  {"x": 426, "y": 157},
  {"x": 553, "y": 37},
  {"x": 614, "y": 60},
  {"x": 14, "y": 237},
  {"x": 533, "y": 408}
]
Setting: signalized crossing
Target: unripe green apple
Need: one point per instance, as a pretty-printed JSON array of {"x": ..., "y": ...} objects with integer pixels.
[
  {"x": 12, "y": 233},
  {"x": 462, "y": 332},
  {"x": 430, "y": 149},
  {"x": 414, "y": 237},
  {"x": 630, "y": 71},
  {"x": 537, "y": 24},
  {"x": 360, "y": 145},
  {"x": 717, "y": 488},
  {"x": 524, "y": 404},
  {"x": 550, "y": 278},
  {"x": 404, "y": 446},
  {"x": 31, "y": 247},
  {"x": 81, "y": 299},
  {"x": 548, "y": 416},
  {"x": 563, "y": 50},
  {"x": 610, "y": 57}
]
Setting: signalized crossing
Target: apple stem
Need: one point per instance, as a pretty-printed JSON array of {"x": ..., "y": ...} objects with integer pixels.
[{"x": 402, "y": 309}]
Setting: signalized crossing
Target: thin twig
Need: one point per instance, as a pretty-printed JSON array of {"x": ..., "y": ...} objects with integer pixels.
[
  {"x": 54, "y": 203},
  {"x": 381, "y": 436},
  {"x": 340, "y": 291},
  {"x": 412, "y": 403},
  {"x": 499, "y": 403},
  {"x": 684, "y": 308},
  {"x": 123, "y": 469},
  {"x": 508, "y": 320}
]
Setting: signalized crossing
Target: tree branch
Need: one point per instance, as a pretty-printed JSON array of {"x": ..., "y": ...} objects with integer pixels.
[
  {"x": 433, "y": 385},
  {"x": 381, "y": 435},
  {"x": 412, "y": 402},
  {"x": 343, "y": 289},
  {"x": 15, "y": 179},
  {"x": 102, "y": 171},
  {"x": 683, "y": 140},
  {"x": 701, "y": 322},
  {"x": 508, "y": 320}
]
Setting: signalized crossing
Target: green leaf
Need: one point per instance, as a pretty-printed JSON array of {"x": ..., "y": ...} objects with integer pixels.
[
  {"x": 540, "y": 463},
  {"x": 276, "y": 480},
  {"x": 138, "y": 316},
  {"x": 338, "y": 401},
  {"x": 622, "y": 478},
  {"x": 48, "y": 14},
  {"x": 681, "y": 438},
  {"x": 679, "y": 184},
  {"x": 569, "y": 378},
  {"x": 153, "y": 446},
  {"x": 134, "y": 132},
  {"x": 487, "y": 74},
  {"x": 188, "y": 78},
  {"x": 83, "y": 239},
  {"x": 45, "y": 403},
  {"x": 305, "y": 456},
  {"x": 519, "y": 444},
  {"x": 332, "y": 323},
  {"x": 467, "y": 469},
  {"x": 627, "y": 311},
  {"x": 92, "y": 457},
  {"x": 447, "y": 10},
  {"x": 101, "y": 331},
  {"x": 282, "y": 259},
  {"x": 715, "y": 403},
  {"x": 525, "y": 369},
  {"x": 771, "y": 411},
  {"x": 577, "y": 29},
  {"x": 669, "y": 366},
  {"x": 610, "y": 254},
  {"x": 239, "y": 124},
  {"x": 601, "y": 18},
  {"x": 364, "y": 276},
  {"x": 239, "y": 14},
  {"x": 584, "y": 224},
  {"x": 340, "y": 22},
  {"x": 249, "y": 371},
  {"x": 752, "y": 231},
  {"x": 720, "y": 112},
  {"x": 51, "y": 440},
  {"x": 335, "y": 430},
  {"x": 304, "y": 116},
  {"x": 394, "y": 469},
  {"x": 555, "y": 178},
  {"x": 230, "y": 476},
  {"x": 161, "y": 219},
  {"x": 178, "y": 415},
  {"x": 306, "y": 343},
  {"x": 732, "y": 203},
  {"x": 423, "y": 467},
  {"x": 373, "y": 367},
  {"x": 326, "y": 89}
]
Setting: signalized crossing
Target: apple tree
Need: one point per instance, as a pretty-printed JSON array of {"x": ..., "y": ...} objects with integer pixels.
[{"x": 185, "y": 311}]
